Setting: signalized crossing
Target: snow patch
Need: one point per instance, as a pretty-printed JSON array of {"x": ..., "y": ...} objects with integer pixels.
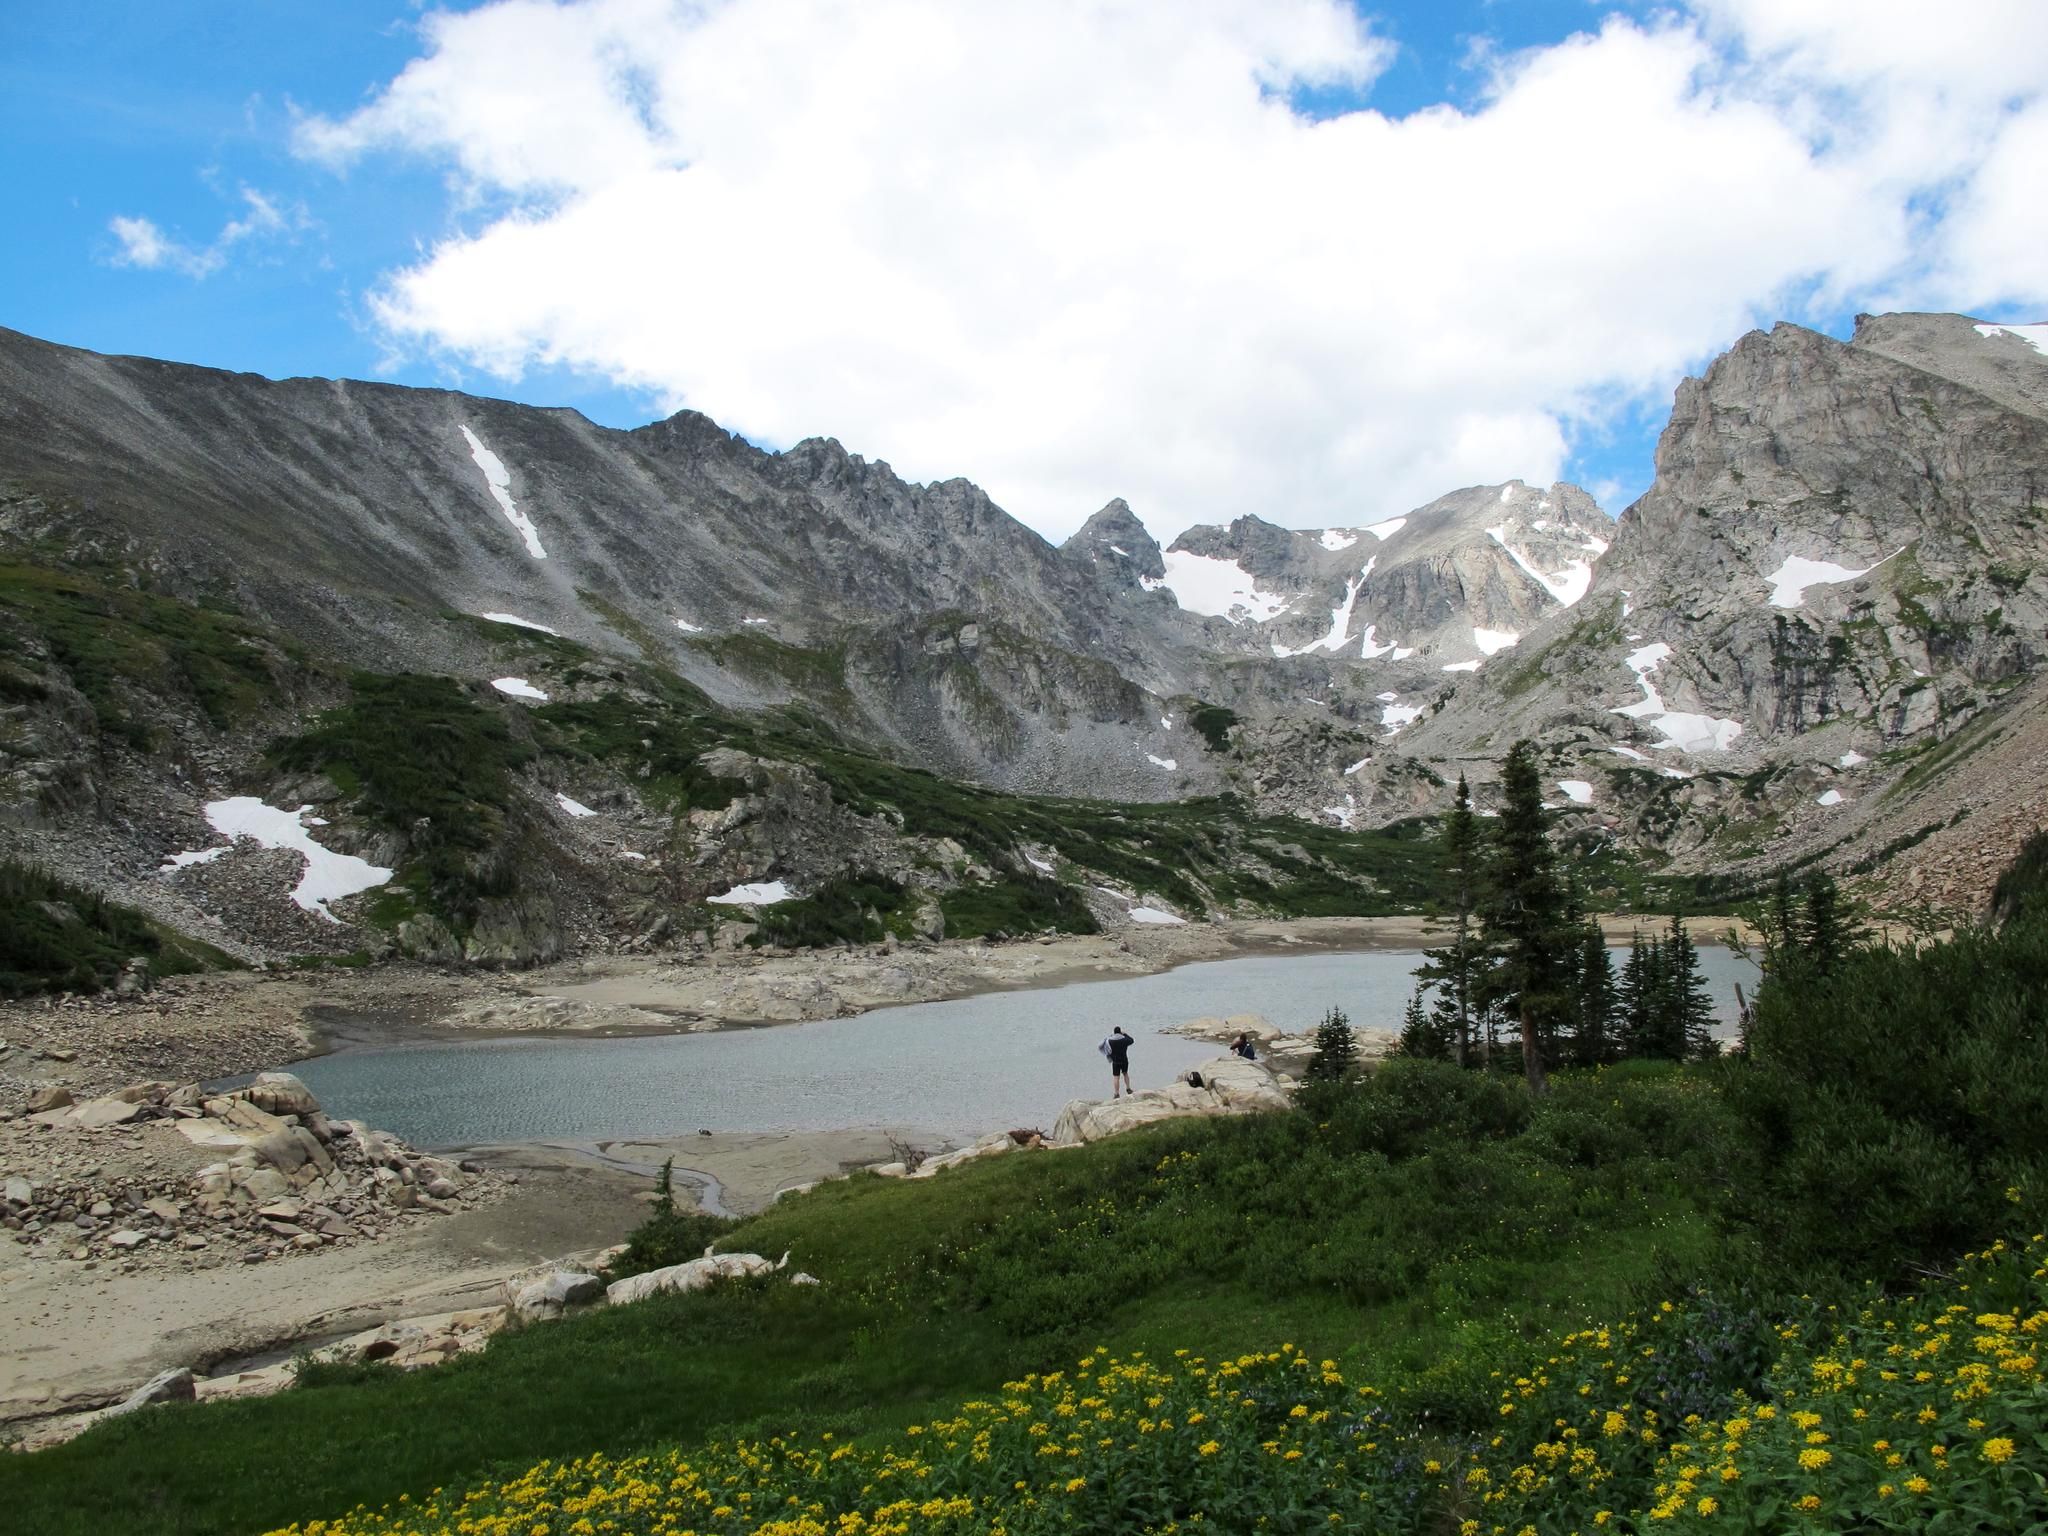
[
  {"x": 500, "y": 482},
  {"x": 513, "y": 618},
  {"x": 757, "y": 621},
  {"x": 1463, "y": 666},
  {"x": 1118, "y": 549},
  {"x": 688, "y": 628},
  {"x": 1790, "y": 580},
  {"x": 1334, "y": 540},
  {"x": 1369, "y": 648},
  {"x": 1356, "y": 766},
  {"x": 1218, "y": 589},
  {"x": 1578, "y": 791},
  {"x": 763, "y": 893},
  {"x": 1567, "y": 585},
  {"x": 2035, "y": 336},
  {"x": 627, "y": 853},
  {"x": 1507, "y": 493},
  {"x": 1830, "y": 797},
  {"x": 1166, "y": 722},
  {"x": 1403, "y": 652},
  {"x": 518, "y": 688},
  {"x": 1161, "y": 762},
  {"x": 1492, "y": 640},
  {"x": 1688, "y": 733},
  {"x": 1640, "y": 757},
  {"x": 1037, "y": 863},
  {"x": 1341, "y": 814},
  {"x": 1851, "y": 759},
  {"x": 1384, "y": 531},
  {"x": 1340, "y": 619},
  {"x": 575, "y": 808},
  {"x": 1154, "y": 915},
  {"x": 1395, "y": 716},
  {"x": 187, "y": 860},
  {"x": 328, "y": 876}
]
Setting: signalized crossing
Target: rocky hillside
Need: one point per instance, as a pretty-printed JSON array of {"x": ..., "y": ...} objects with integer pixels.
[{"x": 1837, "y": 582}]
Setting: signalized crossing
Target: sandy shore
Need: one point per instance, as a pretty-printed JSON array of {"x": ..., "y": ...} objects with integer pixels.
[{"x": 78, "y": 1338}]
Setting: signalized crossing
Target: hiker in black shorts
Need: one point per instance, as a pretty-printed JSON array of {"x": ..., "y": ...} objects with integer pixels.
[{"x": 1119, "y": 1045}]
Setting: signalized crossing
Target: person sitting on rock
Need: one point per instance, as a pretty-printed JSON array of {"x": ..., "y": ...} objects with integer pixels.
[
  {"x": 1118, "y": 1048},
  {"x": 1242, "y": 1046}
]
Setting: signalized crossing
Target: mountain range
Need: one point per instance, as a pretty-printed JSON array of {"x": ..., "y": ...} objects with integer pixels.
[{"x": 429, "y": 623}]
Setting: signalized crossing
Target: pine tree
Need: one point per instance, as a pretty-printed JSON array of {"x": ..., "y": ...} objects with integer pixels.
[
  {"x": 1422, "y": 1033},
  {"x": 1594, "y": 1045},
  {"x": 1336, "y": 1050},
  {"x": 1689, "y": 1029},
  {"x": 1827, "y": 933},
  {"x": 1454, "y": 969},
  {"x": 1629, "y": 994},
  {"x": 1522, "y": 914}
]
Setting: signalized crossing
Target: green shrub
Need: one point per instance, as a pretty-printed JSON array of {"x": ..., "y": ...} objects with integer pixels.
[
  {"x": 1016, "y": 904},
  {"x": 850, "y": 909},
  {"x": 423, "y": 758},
  {"x": 59, "y": 937}
]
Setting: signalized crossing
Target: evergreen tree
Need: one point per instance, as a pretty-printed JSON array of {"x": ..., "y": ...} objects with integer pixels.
[
  {"x": 1688, "y": 1030},
  {"x": 1454, "y": 969},
  {"x": 1778, "y": 922},
  {"x": 1629, "y": 993},
  {"x": 1423, "y": 1034},
  {"x": 1827, "y": 932},
  {"x": 1522, "y": 915},
  {"x": 1594, "y": 1044},
  {"x": 1335, "y": 1056}
]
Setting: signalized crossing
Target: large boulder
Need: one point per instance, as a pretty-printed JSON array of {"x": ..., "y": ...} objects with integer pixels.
[
  {"x": 550, "y": 1296},
  {"x": 172, "y": 1386},
  {"x": 693, "y": 1276},
  {"x": 992, "y": 1145},
  {"x": 96, "y": 1113},
  {"x": 1230, "y": 1086},
  {"x": 280, "y": 1093}
]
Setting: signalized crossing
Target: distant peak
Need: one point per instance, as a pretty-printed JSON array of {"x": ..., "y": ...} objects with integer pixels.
[{"x": 1117, "y": 539}]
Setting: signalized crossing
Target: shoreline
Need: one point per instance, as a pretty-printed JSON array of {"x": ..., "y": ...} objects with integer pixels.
[{"x": 625, "y": 997}]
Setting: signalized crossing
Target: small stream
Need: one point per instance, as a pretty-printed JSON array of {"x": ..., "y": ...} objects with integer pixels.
[{"x": 957, "y": 1068}]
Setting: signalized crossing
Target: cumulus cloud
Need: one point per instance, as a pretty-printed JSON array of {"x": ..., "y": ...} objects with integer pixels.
[
  {"x": 142, "y": 243},
  {"x": 1087, "y": 248}
]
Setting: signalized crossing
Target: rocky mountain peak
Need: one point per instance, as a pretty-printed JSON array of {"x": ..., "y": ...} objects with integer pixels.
[{"x": 1115, "y": 542}]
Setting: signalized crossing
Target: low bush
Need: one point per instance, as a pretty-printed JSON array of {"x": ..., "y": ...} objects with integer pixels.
[
  {"x": 851, "y": 909},
  {"x": 58, "y": 937},
  {"x": 1018, "y": 904}
]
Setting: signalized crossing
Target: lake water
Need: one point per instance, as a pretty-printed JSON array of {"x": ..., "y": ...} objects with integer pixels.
[{"x": 958, "y": 1068}]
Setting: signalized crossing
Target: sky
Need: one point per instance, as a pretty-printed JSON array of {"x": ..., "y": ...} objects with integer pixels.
[{"x": 1299, "y": 258}]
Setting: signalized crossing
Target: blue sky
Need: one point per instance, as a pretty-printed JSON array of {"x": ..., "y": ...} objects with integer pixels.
[{"x": 355, "y": 247}]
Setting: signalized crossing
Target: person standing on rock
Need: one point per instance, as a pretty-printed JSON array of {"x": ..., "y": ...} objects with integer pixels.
[{"x": 1118, "y": 1049}]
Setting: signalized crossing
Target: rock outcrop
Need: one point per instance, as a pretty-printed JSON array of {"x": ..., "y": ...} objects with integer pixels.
[
  {"x": 1230, "y": 1086},
  {"x": 696, "y": 1275}
]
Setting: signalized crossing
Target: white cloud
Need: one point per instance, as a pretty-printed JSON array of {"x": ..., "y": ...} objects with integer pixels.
[
  {"x": 144, "y": 244},
  {"x": 1085, "y": 247}
]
